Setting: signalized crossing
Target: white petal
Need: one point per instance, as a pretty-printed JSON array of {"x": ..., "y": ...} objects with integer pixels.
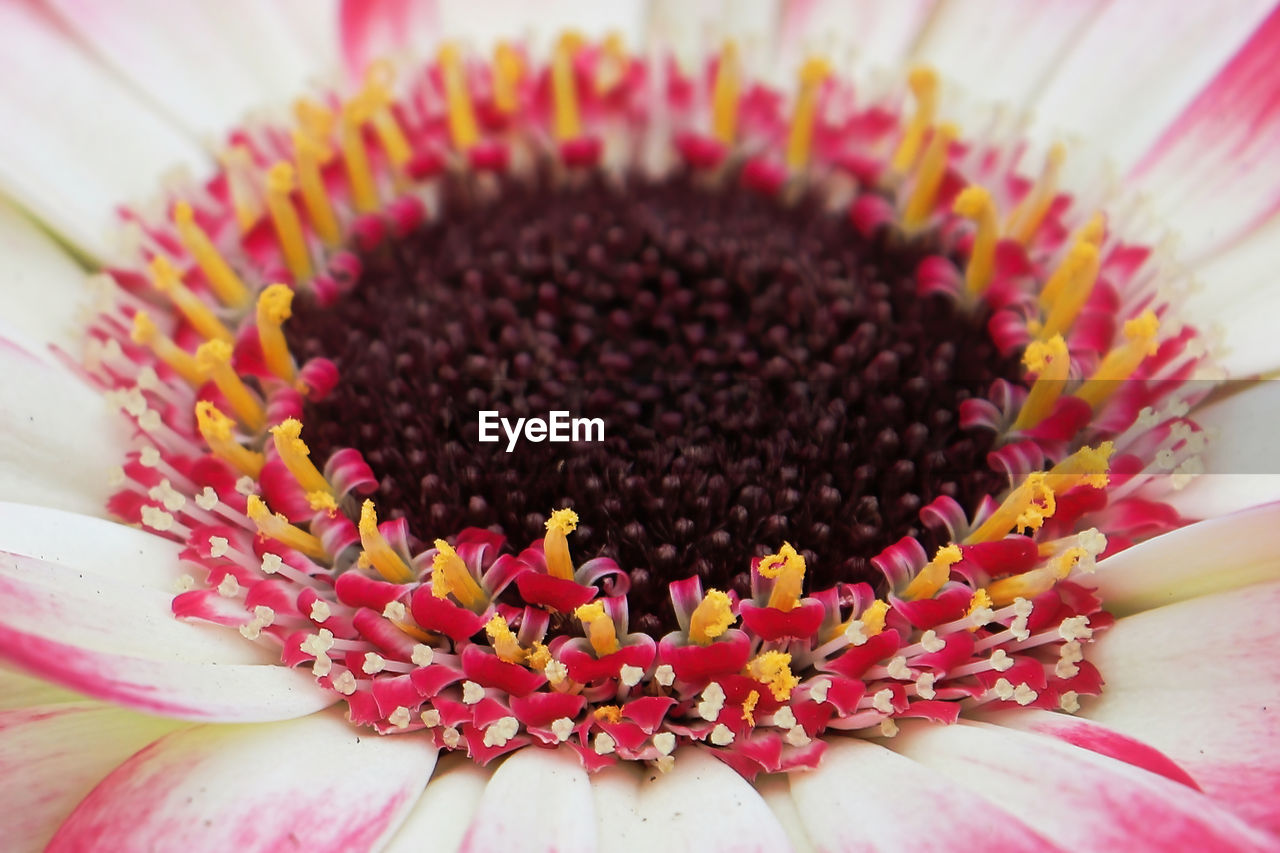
[
  {"x": 865, "y": 797},
  {"x": 443, "y": 812},
  {"x": 1220, "y": 553},
  {"x": 881, "y": 33},
  {"x": 775, "y": 789},
  {"x": 1078, "y": 798},
  {"x": 58, "y": 438},
  {"x": 543, "y": 23},
  {"x": 538, "y": 799},
  {"x": 311, "y": 784},
  {"x": 77, "y": 144},
  {"x": 41, "y": 286},
  {"x": 1237, "y": 292},
  {"x": 52, "y": 756}
]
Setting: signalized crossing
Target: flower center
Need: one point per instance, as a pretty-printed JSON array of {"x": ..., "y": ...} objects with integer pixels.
[{"x": 763, "y": 372}]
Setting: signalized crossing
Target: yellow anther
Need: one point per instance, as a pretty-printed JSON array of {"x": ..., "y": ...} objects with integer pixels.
[
  {"x": 924, "y": 85},
  {"x": 873, "y": 617},
  {"x": 214, "y": 359},
  {"x": 612, "y": 65},
  {"x": 296, "y": 456},
  {"x": 322, "y": 501},
  {"x": 276, "y": 526},
  {"x": 787, "y": 569},
  {"x": 1088, "y": 466},
  {"x": 539, "y": 657},
  {"x": 774, "y": 669},
  {"x": 1091, "y": 233},
  {"x": 198, "y": 314},
  {"x": 450, "y": 575},
  {"x": 931, "y": 578},
  {"x": 504, "y": 641},
  {"x": 507, "y": 68},
  {"x": 804, "y": 114},
  {"x": 1030, "y": 212},
  {"x": 929, "y": 175},
  {"x": 726, "y": 94},
  {"x": 1026, "y": 508},
  {"x": 217, "y": 431},
  {"x": 980, "y": 601},
  {"x": 364, "y": 190},
  {"x": 223, "y": 280},
  {"x": 975, "y": 203},
  {"x": 1118, "y": 365},
  {"x": 749, "y": 707},
  {"x": 1051, "y": 363},
  {"x": 310, "y": 155},
  {"x": 242, "y": 177},
  {"x": 293, "y": 243},
  {"x": 377, "y": 551},
  {"x": 556, "y": 543},
  {"x": 1072, "y": 282},
  {"x": 711, "y": 618},
  {"x": 275, "y": 305},
  {"x": 316, "y": 123},
  {"x": 599, "y": 628},
  {"x": 1040, "y": 580},
  {"x": 608, "y": 714},
  {"x": 182, "y": 362},
  {"x": 378, "y": 81},
  {"x": 462, "y": 118},
  {"x": 567, "y": 123}
]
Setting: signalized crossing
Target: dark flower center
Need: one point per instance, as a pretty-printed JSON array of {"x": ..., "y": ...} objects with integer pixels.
[{"x": 764, "y": 373}]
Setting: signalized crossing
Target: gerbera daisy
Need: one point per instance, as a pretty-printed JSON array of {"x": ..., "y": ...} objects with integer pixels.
[{"x": 755, "y": 434}]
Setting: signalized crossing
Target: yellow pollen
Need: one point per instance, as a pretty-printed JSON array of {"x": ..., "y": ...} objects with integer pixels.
[
  {"x": 507, "y": 69},
  {"x": 1030, "y": 212},
  {"x": 599, "y": 628},
  {"x": 214, "y": 359},
  {"x": 787, "y": 569},
  {"x": 1052, "y": 364},
  {"x": 462, "y": 118},
  {"x": 378, "y": 551},
  {"x": 316, "y": 123},
  {"x": 539, "y": 657},
  {"x": 608, "y": 714},
  {"x": 242, "y": 177},
  {"x": 198, "y": 313},
  {"x": 284, "y": 216},
  {"x": 1026, "y": 507},
  {"x": 774, "y": 669},
  {"x": 274, "y": 307},
  {"x": 980, "y": 600},
  {"x": 450, "y": 575},
  {"x": 296, "y": 456},
  {"x": 975, "y": 203},
  {"x": 1030, "y": 584},
  {"x": 567, "y": 123},
  {"x": 872, "y": 618},
  {"x": 924, "y": 86},
  {"x": 182, "y": 362},
  {"x": 378, "y": 80},
  {"x": 804, "y": 115},
  {"x": 322, "y": 501},
  {"x": 216, "y": 430},
  {"x": 276, "y": 526},
  {"x": 1078, "y": 272},
  {"x": 711, "y": 618},
  {"x": 749, "y": 707},
  {"x": 1119, "y": 364},
  {"x": 1087, "y": 466},
  {"x": 503, "y": 640},
  {"x": 309, "y": 155},
  {"x": 364, "y": 191},
  {"x": 223, "y": 280},
  {"x": 931, "y": 578},
  {"x": 929, "y": 175},
  {"x": 726, "y": 95},
  {"x": 556, "y": 543}
]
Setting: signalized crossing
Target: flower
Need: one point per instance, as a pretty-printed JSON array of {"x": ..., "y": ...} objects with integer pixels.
[{"x": 86, "y": 602}]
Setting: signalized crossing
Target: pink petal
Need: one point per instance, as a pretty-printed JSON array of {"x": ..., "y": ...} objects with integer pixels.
[
  {"x": 443, "y": 812},
  {"x": 310, "y": 784},
  {"x": 371, "y": 29},
  {"x": 537, "y": 799}
]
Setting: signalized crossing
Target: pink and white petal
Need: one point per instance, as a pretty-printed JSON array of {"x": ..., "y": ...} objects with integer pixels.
[
  {"x": 882, "y": 33},
  {"x": 1080, "y": 799},
  {"x": 310, "y": 784},
  {"x": 1136, "y": 54},
  {"x": 691, "y": 29},
  {"x": 58, "y": 438},
  {"x": 79, "y": 143},
  {"x": 866, "y": 797},
  {"x": 1212, "y": 172},
  {"x": 41, "y": 287},
  {"x": 540, "y": 25},
  {"x": 19, "y": 690},
  {"x": 1217, "y": 554},
  {"x": 538, "y": 799},
  {"x": 775, "y": 790},
  {"x": 372, "y": 29},
  {"x": 52, "y": 756},
  {"x": 442, "y": 814}
]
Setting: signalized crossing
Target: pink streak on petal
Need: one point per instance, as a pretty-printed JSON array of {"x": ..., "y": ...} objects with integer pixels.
[{"x": 369, "y": 29}]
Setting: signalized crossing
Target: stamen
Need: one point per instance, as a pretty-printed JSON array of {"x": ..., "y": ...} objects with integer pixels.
[
  {"x": 975, "y": 203},
  {"x": 450, "y": 575},
  {"x": 377, "y": 95},
  {"x": 1119, "y": 364},
  {"x": 364, "y": 191},
  {"x": 1051, "y": 363},
  {"x": 711, "y": 618},
  {"x": 924, "y": 85},
  {"x": 284, "y": 216},
  {"x": 503, "y": 640},
  {"x": 929, "y": 175},
  {"x": 1087, "y": 466},
  {"x": 1078, "y": 273},
  {"x": 214, "y": 359},
  {"x": 507, "y": 69},
  {"x": 198, "y": 314},
  {"x": 296, "y": 456},
  {"x": 462, "y": 118},
  {"x": 1027, "y": 216},
  {"x": 787, "y": 569},
  {"x": 599, "y": 628},
  {"x": 275, "y": 305},
  {"x": 931, "y": 578},
  {"x": 556, "y": 543},
  {"x": 1026, "y": 508},
  {"x": 1030, "y": 584},
  {"x": 774, "y": 669},
  {"x": 242, "y": 178},
  {"x": 309, "y": 154},
  {"x": 805, "y": 112},
  {"x": 226, "y": 285},
  {"x": 726, "y": 94},
  {"x": 276, "y": 526},
  {"x": 182, "y": 362},
  {"x": 567, "y": 123},
  {"x": 377, "y": 551},
  {"x": 216, "y": 430}
]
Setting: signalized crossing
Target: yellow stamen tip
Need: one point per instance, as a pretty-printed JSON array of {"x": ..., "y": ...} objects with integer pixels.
[
  {"x": 322, "y": 501},
  {"x": 599, "y": 628},
  {"x": 972, "y": 202},
  {"x": 212, "y": 355},
  {"x": 774, "y": 669},
  {"x": 564, "y": 521},
  {"x": 787, "y": 568},
  {"x": 213, "y": 424},
  {"x": 608, "y": 714},
  {"x": 144, "y": 328},
  {"x": 711, "y": 618},
  {"x": 504, "y": 641}
]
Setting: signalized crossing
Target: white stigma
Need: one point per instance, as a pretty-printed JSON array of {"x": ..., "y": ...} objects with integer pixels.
[
  {"x": 471, "y": 693},
  {"x": 1069, "y": 701},
  {"x": 856, "y": 633},
  {"x": 430, "y": 718},
  {"x": 888, "y": 728},
  {"x": 501, "y": 731},
  {"x": 1000, "y": 660},
  {"x": 394, "y": 611},
  {"x": 373, "y": 663},
  {"x": 897, "y": 668},
  {"x": 664, "y": 742},
  {"x": 320, "y": 610},
  {"x": 712, "y": 702},
  {"x": 604, "y": 744},
  {"x": 1075, "y": 628},
  {"x": 207, "y": 499},
  {"x": 784, "y": 717},
  {"x": 883, "y": 701},
  {"x": 271, "y": 563},
  {"x": 630, "y": 675},
  {"x": 562, "y": 728},
  {"x": 931, "y": 642},
  {"x": 422, "y": 655},
  {"x": 721, "y": 735},
  {"x": 218, "y": 546},
  {"x": 818, "y": 689},
  {"x": 665, "y": 675},
  {"x": 399, "y": 717},
  {"x": 924, "y": 685},
  {"x": 797, "y": 736},
  {"x": 345, "y": 683},
  {"x": 1023, "y": 694},
  {"x": 229, "y": 587}
]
